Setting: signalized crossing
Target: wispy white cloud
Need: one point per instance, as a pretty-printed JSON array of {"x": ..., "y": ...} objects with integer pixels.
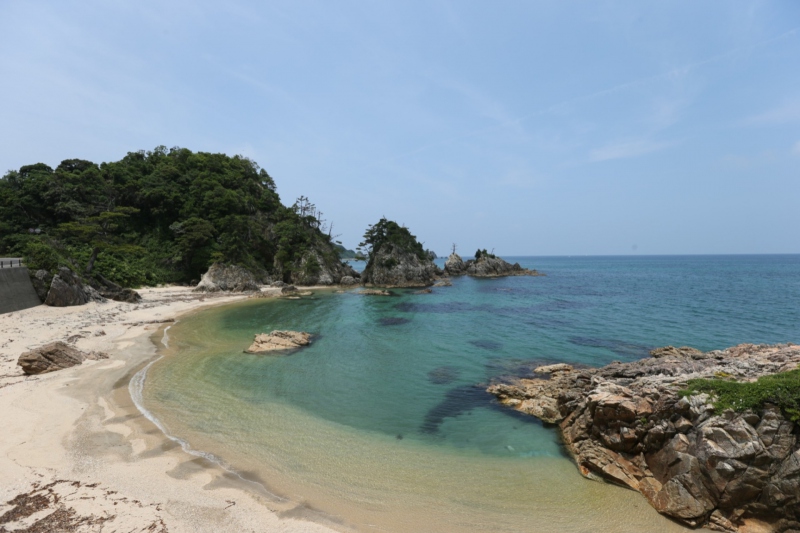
[
  {"x": 628, "y": 149},
  {"x": 788, "y": 111}
]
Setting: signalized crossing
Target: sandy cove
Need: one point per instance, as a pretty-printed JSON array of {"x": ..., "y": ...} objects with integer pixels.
[{"x": 76, "y": 454}]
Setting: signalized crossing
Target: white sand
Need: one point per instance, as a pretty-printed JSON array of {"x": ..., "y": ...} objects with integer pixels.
[{"x": 75, "y": 446}]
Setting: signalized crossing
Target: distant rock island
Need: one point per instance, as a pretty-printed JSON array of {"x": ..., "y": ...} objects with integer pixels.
[
  {"x": 710, "y": 439},
  {"x": 485, "y": 265}
]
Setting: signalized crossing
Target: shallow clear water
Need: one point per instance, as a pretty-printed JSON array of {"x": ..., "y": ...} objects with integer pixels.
[{"x": 383, "y": 422}]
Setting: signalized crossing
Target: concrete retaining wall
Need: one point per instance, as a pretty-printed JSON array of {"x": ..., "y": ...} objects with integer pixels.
[{"x": 16, "y": 290}]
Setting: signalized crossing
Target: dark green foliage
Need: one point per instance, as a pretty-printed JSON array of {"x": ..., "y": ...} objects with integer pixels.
[
  {"x": 781, "y": 389},
  {"x": 484, "y": 253},
  {"x": 154, "y": 217},
  {"x": 388, "y": 232}
]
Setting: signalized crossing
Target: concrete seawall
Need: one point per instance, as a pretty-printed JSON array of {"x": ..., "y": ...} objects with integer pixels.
[{"x": 16, "y": 290}]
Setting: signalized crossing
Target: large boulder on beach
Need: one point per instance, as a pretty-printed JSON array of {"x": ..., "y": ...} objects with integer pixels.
[
  {"x": 630, "y": 423},
  {"x": 222, "y": 277},
  {"x": 68, "y": 289},
  {"x": 54, "y": 356},
  {"x": 279, "y": 341}
]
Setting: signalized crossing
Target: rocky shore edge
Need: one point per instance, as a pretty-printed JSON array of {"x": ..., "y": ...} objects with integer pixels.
[{"x": 703, "y": 466}]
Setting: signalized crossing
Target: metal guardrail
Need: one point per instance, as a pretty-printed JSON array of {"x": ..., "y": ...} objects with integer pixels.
[{"x": 10, "y": 262}]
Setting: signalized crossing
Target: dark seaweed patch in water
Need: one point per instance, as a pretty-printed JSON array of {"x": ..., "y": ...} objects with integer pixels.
[
  {"x": 443, "y": 375},
  {"x": 457, "y": 401},
  {"x": 462, "y": 400},
  {"x": 393, "y": 321},
  {"x": 622, "y": 348},
  {"x": 486, "y": 344},
  {"x": 441, "y": 307},
  {"x": 559, "y": 305}
]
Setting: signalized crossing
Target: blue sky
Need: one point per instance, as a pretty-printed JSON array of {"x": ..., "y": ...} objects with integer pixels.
[{"x": 534, "y": 128}]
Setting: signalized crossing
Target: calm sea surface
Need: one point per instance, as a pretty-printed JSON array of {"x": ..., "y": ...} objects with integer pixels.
[{"x": 383, "y": 423}]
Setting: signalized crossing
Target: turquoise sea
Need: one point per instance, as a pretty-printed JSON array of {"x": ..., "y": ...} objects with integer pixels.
[{"x": 383, "y": 423}]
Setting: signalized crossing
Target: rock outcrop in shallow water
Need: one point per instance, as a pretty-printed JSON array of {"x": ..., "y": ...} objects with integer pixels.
[
  {"x": 485, "y": 266},
  {"x": 279, "y": 341},
  {"x": 627, "y": 424}
]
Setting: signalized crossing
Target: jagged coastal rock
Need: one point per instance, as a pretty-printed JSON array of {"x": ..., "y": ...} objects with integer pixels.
[
  {"x": 391, "y": 266},
  {"x": 626, "y": 423},
  {"x": 54, "y": 356},
  {"x": 455, "y": 266},
  {"x": 279, "y": 341},
  {"x": 485, "y": 266},
  {"x": 320, "y": 267},
  {"x": 222, "y": 277},
  {"x": 68, "y": 289}
]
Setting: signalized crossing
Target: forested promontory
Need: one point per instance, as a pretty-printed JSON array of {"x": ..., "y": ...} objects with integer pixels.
[{"x": 162, "y": 216}]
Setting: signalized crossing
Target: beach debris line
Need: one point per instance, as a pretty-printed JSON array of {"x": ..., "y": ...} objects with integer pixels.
[{"x": 279, "y": 341}]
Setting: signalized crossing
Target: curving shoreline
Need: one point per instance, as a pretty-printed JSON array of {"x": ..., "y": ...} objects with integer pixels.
[{"x": 76, "y": 436}]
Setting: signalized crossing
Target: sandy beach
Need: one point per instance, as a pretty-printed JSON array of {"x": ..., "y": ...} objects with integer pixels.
[{"x": 77, "y": 455}]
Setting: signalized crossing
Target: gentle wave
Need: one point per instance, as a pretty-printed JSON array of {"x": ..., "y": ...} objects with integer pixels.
[{"x": 136, "y": 391}]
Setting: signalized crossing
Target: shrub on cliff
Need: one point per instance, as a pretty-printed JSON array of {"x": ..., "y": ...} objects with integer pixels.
[{"x": 781, "y": 389}]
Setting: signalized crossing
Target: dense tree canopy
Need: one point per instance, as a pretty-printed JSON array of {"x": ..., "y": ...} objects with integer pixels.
[{"x": 153, "y": 217}]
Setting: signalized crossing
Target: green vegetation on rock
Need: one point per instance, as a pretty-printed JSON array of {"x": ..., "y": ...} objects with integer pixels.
[
  {"x": 782, "y": 389},
  {"x": 159, "y": 216}
]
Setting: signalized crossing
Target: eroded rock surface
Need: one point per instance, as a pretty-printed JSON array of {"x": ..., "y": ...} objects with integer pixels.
[
  {"x": 392, "y": 266},
  {"x": 279, "y": 340},
  {"x": 626, "y": 423},
  {"x": 54, "y": 356},
  {"x": 68, "y": 289},
  {"x": 222, "y": 277}
]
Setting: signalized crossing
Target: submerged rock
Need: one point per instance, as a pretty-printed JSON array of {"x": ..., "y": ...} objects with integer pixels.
[
  {"x": 222, "y": 277},
  {"x": 54, "y": 356},
  {"x": 279, "y": 340},
  {"x": 626, "y": 423},
  {"x": 374, "y": 292}
]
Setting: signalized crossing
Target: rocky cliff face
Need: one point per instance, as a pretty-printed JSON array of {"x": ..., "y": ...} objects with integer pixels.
[
  {"x": 68, "y": 289},
  {"x": 626, "y": 423},
  {"x": 320, "y": 268},
  {"x": 455, "y": 266},
  {"x": 391, "y": 266},
  {"x": 222, "y": 277}
]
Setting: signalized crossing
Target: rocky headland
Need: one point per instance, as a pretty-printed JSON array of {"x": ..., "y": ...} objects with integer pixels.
[
  {"x": 695, "y": 461},
  {"x": 485, "y": 265}
]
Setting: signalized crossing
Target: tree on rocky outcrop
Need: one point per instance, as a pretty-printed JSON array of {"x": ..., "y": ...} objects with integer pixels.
[{"x": 395, "y": 257}]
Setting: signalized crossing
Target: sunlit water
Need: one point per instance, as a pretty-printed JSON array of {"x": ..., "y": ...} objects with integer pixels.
[{"x": 383, "y": 423}]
